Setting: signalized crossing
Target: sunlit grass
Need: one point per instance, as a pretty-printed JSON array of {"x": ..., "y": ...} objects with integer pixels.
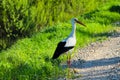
[{"x": 32, "y": 56}]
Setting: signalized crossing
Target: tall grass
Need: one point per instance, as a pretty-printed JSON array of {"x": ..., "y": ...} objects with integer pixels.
[
  {"x": 21, "y": 18},
  {"x": 30, "y": 58}
]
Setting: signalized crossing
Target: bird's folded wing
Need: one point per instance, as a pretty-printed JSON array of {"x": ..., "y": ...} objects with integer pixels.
[{"x": 70, "y": 42}]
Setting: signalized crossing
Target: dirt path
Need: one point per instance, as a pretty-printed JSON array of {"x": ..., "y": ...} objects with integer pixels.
[{"x": 99, "y": 61}]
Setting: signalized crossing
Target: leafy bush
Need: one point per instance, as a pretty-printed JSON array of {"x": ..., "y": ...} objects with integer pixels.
[
  {"x": 104, "y": 15},
  {"x": 21, "y": 17},
  {"x": 115, "y": 8},
  {"x": 17, "y": 19}
]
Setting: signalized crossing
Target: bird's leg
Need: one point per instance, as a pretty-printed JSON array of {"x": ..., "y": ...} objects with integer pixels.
[{"x": 68, "y": 63}]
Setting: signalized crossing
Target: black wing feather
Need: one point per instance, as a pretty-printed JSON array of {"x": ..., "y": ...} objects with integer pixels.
[{"x": 61, "y": 49}]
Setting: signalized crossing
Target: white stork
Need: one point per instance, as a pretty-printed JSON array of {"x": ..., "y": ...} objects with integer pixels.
[{"x": 68, "y": 43}]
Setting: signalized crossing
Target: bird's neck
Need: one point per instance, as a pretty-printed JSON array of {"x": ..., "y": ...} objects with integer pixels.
[{"x": 73, "y": 30}]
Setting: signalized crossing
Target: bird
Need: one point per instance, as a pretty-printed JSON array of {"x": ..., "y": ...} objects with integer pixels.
[{"x": 67, "y": 44}]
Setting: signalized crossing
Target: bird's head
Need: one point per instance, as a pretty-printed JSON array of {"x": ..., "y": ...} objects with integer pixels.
[{"x": 75, "y": 20}]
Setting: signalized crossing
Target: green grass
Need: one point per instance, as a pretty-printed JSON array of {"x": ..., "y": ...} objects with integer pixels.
[
  {"x": 30, "y": 58},
  {"x": 19, "y": 18}
]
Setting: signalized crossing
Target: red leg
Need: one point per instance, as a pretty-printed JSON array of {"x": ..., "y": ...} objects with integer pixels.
[{"x": 68, "y": 63}]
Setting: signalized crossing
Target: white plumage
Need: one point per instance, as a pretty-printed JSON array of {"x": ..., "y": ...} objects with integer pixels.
[
  {"x": 71, "y": 41},
  {"x": 68, "y": 43}
]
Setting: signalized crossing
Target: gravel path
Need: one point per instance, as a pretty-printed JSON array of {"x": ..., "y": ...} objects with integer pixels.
[{"x": 99, "y": 60}]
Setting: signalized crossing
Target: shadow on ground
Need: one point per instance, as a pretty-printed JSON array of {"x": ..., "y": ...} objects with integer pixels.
[
  {"x": 108, "y": 73},
  {"x": 95, "y": 63}
]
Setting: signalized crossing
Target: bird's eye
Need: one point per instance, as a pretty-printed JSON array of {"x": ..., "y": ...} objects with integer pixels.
[{"x": 75, "y": 19}]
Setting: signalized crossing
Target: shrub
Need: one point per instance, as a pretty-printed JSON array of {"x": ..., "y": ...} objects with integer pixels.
[
  {"x": 21, "y": 18},
  {"x": 17, "y": 20}
]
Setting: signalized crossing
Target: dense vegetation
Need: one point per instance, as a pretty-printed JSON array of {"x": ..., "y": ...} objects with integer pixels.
[
  {"x": 30, "y": 58},
  {"x": 20, "y": 18}
]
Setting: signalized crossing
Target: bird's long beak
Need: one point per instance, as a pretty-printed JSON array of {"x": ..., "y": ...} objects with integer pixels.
[{"x": 80, "y": 23}]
